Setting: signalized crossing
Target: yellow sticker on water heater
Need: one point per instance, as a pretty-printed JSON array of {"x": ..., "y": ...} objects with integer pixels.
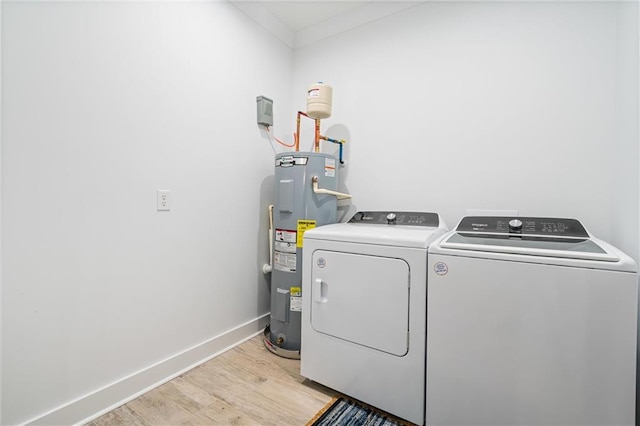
[
  {"x": 295, "y": 302},
  {"x": 304, "y": 225}
]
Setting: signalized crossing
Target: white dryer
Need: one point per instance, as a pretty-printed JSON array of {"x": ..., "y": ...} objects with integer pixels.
[
  {"x": 364, "y": 308},
  {"x": 531, "y": 321}
]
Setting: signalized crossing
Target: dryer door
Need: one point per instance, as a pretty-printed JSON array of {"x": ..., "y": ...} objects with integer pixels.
[{"x": 362, "y": 299}]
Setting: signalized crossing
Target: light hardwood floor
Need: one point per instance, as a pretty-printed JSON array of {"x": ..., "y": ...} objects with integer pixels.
[{"x": 247, "y": 385}]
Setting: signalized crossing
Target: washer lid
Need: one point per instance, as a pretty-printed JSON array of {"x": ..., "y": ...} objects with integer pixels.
[
  {"x": 551, "y": 237},
  {"x": 382, "y": 234}
]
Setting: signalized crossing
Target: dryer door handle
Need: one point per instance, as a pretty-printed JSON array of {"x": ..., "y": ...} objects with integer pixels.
[{"x": 320, "y": 291}]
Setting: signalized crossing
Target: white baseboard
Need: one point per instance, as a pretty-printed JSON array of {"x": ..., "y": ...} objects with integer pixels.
[{"x": 101, "y": 401}]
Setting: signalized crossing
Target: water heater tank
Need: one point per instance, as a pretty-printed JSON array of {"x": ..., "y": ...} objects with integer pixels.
[
  {"x": 296, "y": 209},
  {"x": 319, "y": 98}
]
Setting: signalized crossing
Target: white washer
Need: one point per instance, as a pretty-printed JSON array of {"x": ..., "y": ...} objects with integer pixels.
[
  {"x": 364, "y": 301},
  {"x": 530, "y": 321}
]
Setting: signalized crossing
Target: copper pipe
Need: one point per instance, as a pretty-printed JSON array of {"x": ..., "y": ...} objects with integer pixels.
[
  {"x": 317, "y": 138},
  {"x": 296, "y": 136}
]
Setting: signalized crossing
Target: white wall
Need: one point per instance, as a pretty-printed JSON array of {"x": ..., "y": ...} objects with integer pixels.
[
  {"x": 626, "y": 143},
  {"x": 452, "y": 106},
  {"x": 446, "y": 106},
  {"x": 1, "y": 259},
  {"x": 103, "y": 104}
]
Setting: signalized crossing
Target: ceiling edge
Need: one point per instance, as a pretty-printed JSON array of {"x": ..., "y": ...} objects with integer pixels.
[
  {"x": 266, "y": 20},
  {"x": 369, "y": 12}
]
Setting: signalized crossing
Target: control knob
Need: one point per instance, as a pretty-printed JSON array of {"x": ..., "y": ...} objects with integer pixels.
[
  {"x": 391, "y": 218},
  {"x": 515, "y": 225}
]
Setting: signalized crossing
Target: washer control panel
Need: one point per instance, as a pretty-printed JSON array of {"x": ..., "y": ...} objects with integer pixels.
[
  {"x": 396, "y": 218},
  {"x": 545, "y": 226}
]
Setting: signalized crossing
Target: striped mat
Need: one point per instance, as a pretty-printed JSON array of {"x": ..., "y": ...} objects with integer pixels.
[{"x": 342, "y": 411}]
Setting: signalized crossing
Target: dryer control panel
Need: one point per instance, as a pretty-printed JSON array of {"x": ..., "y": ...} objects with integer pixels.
[
  {"x": 397, "y": 218},
  {"x": 539, "y": 226}
]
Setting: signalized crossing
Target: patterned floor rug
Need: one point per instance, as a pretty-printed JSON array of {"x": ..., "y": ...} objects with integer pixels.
[{"x": 342, "y": 411}]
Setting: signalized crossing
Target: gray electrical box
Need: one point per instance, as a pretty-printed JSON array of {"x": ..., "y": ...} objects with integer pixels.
[{"x": 265, "y": 111}]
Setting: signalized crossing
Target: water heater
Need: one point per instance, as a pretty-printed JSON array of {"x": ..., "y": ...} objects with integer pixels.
[{"x": 297, "y": 208}]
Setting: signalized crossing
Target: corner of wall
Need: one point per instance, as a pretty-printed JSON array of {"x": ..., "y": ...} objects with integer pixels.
[
  {"x": 266, "y": 20},
  {"x": 101, "y": 401},
  {"x": 1, "y": 422}
]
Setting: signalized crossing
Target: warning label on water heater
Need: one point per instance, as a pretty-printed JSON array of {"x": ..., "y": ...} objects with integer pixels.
[
  {"x": 286, "y": 235},
  {"x": 330, "y": 167},
  {"x": 285, "y": 247},
  {"x": 285, "y": 262},
  {"x": 284, "y": 255}
]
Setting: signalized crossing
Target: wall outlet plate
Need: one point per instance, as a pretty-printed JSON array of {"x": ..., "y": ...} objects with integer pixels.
[{"x": 163, "y": 200}]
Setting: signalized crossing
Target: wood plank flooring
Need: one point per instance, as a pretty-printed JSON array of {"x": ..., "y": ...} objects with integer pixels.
[{"x": 247, "y": 385}]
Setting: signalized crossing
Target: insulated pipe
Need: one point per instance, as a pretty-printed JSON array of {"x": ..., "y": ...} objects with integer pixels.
[
  {"x": 268, "y": 267},
  {"x": 339, "y": 142},
  {"x": 338, "y": 195}
]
